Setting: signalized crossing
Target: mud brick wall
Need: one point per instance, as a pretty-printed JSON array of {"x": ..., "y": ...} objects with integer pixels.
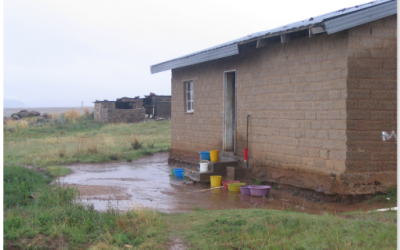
[
  {"x": 105, "y": 112},
  {"x": 318, "y": 108},
  {"x": 162, "y": 109},
  {"x": 162, "y": 98},
  {"x": 125, "y": 115},
  {"x": 100, "y": 108},
  {"x": 138, "y": 103},
  {"x": 372, "y": 97},
  {"x": 295, "y": 93}
]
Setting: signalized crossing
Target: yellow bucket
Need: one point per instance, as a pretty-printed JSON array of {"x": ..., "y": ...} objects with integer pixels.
[
  {"x": 215, "y": 180},
  {"x": 235, "y": 187},
  {"x": 214, "y": 155}
]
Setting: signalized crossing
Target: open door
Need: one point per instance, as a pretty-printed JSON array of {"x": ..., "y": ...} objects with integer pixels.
[{"x": 229, "y": 111}]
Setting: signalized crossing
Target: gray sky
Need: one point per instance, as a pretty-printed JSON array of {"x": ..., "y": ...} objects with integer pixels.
[{"x": 59, "y": 53}]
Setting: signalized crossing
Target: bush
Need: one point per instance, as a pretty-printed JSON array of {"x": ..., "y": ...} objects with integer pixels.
[
  {"x": 86, "y": 111},
  {"x": 136, "y": 144},
  {"x": 19, "y": 125},
  {"x": 72, "y": 116}
]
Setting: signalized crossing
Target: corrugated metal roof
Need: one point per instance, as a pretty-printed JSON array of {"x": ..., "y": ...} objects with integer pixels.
[
  {"x": 360, "y": 17},
  {"x": 307, "y": 23}
]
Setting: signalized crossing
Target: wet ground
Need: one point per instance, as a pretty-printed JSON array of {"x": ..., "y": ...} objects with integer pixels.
[{"x": 147, "y": 183}]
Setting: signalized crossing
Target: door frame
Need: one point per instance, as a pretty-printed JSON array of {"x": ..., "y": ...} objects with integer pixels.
[{"x": 225, "y": 83}]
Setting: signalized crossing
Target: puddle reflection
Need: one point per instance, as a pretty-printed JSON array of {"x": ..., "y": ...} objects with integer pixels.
[{"x": 148, "y": 183}]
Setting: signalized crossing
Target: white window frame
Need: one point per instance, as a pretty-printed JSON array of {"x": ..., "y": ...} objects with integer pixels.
[{"x": 189, "y": 97}]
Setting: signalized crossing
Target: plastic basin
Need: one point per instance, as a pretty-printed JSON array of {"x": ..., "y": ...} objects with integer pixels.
[
  {"x": 259, "y": 190},
  {"x": 245, "y": 190},
  {"x": 205, "y": 155},
  {"x": 224, "y": 183},
  {"x": 234, "y": 187},
  {"x": 215, "y": 180},
  {"x": 178, "y": 172}
]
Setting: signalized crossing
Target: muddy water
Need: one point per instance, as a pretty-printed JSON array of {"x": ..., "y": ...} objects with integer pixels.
[{"x": 147, "y": 183}]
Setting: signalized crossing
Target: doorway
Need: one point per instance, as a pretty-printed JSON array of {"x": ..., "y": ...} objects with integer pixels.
[{"x": 229, "y": 111}]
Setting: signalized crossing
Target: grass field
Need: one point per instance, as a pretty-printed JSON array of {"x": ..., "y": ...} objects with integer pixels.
[
  {"x": 83, "y": 140},
  {"x": 40, "y": 215}
]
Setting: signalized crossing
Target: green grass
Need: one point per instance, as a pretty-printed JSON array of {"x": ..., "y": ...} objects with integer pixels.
[
  {"x": 19, "y": 183},
  {"x": 57, "y": 171},
  {"x": 84, "y": 141},
  {"x": 389, "y": 197},
  {"x": 268, "y": 229},
  {"x": 38, "y": 215},
  {"x": 52, "y": 218}
]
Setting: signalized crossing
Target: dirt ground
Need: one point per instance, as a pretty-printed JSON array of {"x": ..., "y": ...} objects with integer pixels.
[{"x": 148, "y": 183}]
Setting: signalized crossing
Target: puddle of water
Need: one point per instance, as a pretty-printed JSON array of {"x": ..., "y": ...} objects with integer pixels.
[{"x": 147, "y": 183}]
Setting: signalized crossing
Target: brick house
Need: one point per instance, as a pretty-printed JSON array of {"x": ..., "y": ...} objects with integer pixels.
[{"x": 322, "y": 95}]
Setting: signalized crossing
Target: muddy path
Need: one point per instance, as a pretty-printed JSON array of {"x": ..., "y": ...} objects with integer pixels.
[{"x": 147, "y": 183}]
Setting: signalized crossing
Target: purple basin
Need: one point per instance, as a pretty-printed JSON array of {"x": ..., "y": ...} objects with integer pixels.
[
  {"x": 245, "y": 190},
  {"x": 259, "y": 190}
]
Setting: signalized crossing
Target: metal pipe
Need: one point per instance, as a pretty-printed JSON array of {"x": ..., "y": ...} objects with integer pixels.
[{"x": 247, "y": 139}]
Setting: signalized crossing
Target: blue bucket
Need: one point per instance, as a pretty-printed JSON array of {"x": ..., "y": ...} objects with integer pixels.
[
  {"x": 205, "y": 155},
  {"x": 178, "y": 172}
]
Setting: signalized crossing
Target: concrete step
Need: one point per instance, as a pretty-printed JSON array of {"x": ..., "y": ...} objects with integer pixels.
[
  {"x": 238, "y": 173},
  {"x": 227, "y": 156},
  {"x": 214, "y": 168}
]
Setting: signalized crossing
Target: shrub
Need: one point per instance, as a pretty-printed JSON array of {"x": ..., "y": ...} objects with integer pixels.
[
  {"x": 72, "y": 116},
  {"x": 86, "y": 111},
  {"x": 136, "y": 144},
  {"x": 62, "y": 152},
  {"x": 151, "y": 145},
  {"x": 114, "y": 156},
  {"x": 91, "y": 148},
  {"x": 19, "y": 125}
]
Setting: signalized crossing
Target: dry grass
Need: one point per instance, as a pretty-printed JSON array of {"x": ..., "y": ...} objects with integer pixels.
[
  {"x": 91, "y": 148},
  {"x": 17, "y": 124},
  {"x": 55, "y": 116},
  {"x": 86, "y": 111},
  {"x": 104, "y": 246},
  {"x": 72, "y": 116},
  {"x": 110, "y": 142}
]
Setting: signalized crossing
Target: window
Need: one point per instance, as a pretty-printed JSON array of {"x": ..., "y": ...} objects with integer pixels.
[{"x": 189, "y": 96}]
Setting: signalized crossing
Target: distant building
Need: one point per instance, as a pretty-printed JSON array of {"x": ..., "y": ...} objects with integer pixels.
[
  {"x": 128, "y": 110},
  {"x": 157, "y": 105},
  {"x": 124, "y": 110}
]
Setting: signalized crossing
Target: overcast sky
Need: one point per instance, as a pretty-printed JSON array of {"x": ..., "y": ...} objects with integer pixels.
[{"x": 60, "y": 53}]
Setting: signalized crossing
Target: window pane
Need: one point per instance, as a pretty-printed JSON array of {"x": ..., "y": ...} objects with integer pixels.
[
  {"x": 189, "y": 106},
  {"x": 192, "y": 106},
  {"x": 189, "y": 96}
]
